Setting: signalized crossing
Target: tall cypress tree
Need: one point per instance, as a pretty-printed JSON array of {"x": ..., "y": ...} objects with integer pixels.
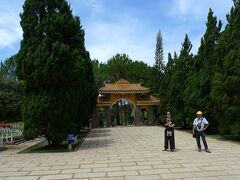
[
  {"x": 164, "y": 86},
  {"x": 54, "y": 69},
  {"x": 197, "y": 93},
  {"x": 226, "y": 81},
  {"x": 180, "y": 72}
]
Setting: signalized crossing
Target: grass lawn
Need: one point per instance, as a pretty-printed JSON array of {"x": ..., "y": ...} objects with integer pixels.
[{"x": 42, "y": 147}]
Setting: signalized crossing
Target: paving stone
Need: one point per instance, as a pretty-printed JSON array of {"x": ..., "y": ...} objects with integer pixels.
[
  {"x": 108, "y": 161},
  {"x": 166, "y": 166},
  {"x": 177, "y": 175},
  {"x": 35, "y": 168},
  {"x": 65, "y": 171},
  {"x": 48, "y": 172},
  {"x": 154, "y": 171},
  {"x": 79, "y": 162},
  {"x": 209, "y": 173},
  {"x": 229, "y": 177},
  {"x": 107, "y": 169},
  {"x": 122, "y": 173},
  {"x": 53, "y": 164},
  {"x": 74, "y": 166},
  {"x": 126, "y": 153},
  {"x": 189, "y": 169},
  {"x": 108, "y": 178},
  {"x": 213, "y": 168},
  {"x": 233, "y": 171},
  {"x": 149, "y": 163},
  {"x": 128, "y": 168},
  {"x": 142, "y": 177},
  {"x": 23, "y": 178},
  {"x": 58, "y": 176},
  {"x": 123, "y": 164},
  {"x": 7, "y": 169},
  {"x": 89, "y": 175},
  {"x": 200, "y": 164},
  {"x": 6, "y": 174},
  {"x": 202, "y": 178},
  {"x": 93, "y": 165},
  {"x": 235, "y": 166},
  {"x": 25, "y": 165}
]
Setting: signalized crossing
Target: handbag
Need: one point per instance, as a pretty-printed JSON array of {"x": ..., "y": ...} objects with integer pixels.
[
  {"x": 195, "y": 131},
  {"x": 169, "y": 133}
]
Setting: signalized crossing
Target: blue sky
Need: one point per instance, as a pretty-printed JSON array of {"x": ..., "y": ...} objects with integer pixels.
[{"x": 124, "y": 26}]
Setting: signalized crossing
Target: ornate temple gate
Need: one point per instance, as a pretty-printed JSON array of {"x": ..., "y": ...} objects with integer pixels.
[{"x": 134, "y": 93}]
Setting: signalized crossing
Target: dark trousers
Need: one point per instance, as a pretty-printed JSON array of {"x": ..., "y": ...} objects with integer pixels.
[
  {"x": 169, "y": 140},
  {"x": 202, "y": 135}
]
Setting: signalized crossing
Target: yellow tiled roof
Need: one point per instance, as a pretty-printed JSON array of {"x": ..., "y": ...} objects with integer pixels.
[{"x": 123, "y": 86}]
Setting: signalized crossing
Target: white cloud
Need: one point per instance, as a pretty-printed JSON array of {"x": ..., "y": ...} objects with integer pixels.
[
  {"x": 128, "y": 34},
  {"x": 183, "y": 5},
  {"x": 189, "y": 17},
  {"x": 198, "y": 10},
  {"x": 125, "y": 34},
  {"x": 10, "y": 30},
  {"x": 108, "y": 31},
  {"x": 173, "y": 39}
]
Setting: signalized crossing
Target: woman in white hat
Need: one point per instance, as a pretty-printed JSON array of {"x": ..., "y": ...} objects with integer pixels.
[{"x": 200, "y": 124}]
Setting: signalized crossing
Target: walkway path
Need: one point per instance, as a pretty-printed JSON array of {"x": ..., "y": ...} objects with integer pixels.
[{"x": 128, "y": 153}]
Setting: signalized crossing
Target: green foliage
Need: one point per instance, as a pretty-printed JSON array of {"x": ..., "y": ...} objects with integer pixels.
[
  {"x": 209, "y": 81},
  {"x": 100, "y": 72},
  {"x": 177, "y": 72},
  {"x": 8, "y": 69},
  {"x": 121, "y": 66},
  {"x": 10, "y": 102},
  {"x": 164, "y": 92},
  {"x": 159, "y": 56},
  {"x": 197, "y": 92},
  {"x": 235, "y": 130},
  {"x": 226, "y": 82},
  {"x": 10, "y": 99},
  {"x": 55, "y": 71},
  {"x": 157, "y": 73}
]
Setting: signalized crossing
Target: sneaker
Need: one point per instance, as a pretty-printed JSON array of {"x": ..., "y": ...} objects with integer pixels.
[
  {"x": 165, "y": 150},
  {"x": 208, "y": 151},
  {"x": 172, "y": 150},
  {"x": 199, "y": 150}
]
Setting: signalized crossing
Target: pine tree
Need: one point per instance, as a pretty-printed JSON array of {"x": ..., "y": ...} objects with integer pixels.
[
  {"x": 197, "y": 93},
  {"x": 158, "y": 68},
  {"x": 159, "y": 56},
  {"x": 118, "y": 66},
  {"x": 180, "y": 73},
  {"x": 164, "y": 87},
  {"x": 54, "y": 69},
  {"x": 226, "y": 82}
]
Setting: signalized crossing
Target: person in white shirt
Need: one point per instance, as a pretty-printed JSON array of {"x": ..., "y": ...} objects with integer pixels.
[{"x": 200, "y": 124}]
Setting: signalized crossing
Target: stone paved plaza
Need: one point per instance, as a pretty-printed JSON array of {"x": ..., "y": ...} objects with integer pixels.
[{"x": 126, "y": 153}]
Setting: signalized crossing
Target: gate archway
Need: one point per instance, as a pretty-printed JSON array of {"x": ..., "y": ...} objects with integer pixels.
[
  {"x": 134, "y": 93},
  {"x": 123, "y": 112}
]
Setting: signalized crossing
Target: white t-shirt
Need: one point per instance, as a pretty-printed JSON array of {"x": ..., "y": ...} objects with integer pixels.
[{"x": 200, "y": 123}]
